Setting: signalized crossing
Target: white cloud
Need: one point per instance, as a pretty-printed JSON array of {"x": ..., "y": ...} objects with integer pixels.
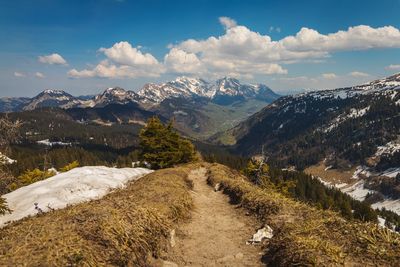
[
  {"x": 19, "y": 74},
  {"x": 227, "y": 22},
  {"x": 329, "y": 75},
  {"x": 358, "y": 74},
  {"x": 123, "y": 53},
  {"x": 240, "y": 52},
  {"x": 39, "y": 75},
  {"x": 106, "y": 69},
  {"x": 122, "y": 61},
  {"x": 355, "y": 38},
  {"x": 393, "y": 67},
  {"x": 55, "y": 59},
  {"x": 181, "y": 62}
]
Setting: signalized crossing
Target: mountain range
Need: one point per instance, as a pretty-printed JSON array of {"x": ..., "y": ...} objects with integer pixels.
[
  {"x": 198, "y": 108},
  {"x": 224, "y": 91}
]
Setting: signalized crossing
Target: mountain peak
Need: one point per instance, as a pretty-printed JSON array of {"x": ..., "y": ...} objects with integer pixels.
[
  {"x": 54, "y": 92},
  {"x": 115, "y": 91},
  {"x": 115, "y": 95}
]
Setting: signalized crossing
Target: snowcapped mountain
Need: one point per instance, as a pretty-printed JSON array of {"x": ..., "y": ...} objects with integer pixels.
[
  {"x": 181, "y": 87},
  {"x": 391, "y": 82},
  {"x": 52, "y": 98},
  {"x": 114, "y": 95},
  {"x": 195, "y": 87},
  {"x": 325, "y": 108},
  {"x": 333, "y": 134},
  {"x": 223, "y": 91}
]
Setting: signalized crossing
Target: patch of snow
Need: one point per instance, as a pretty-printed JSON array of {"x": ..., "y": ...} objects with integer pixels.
[
  {"x": 389, "y": 204},
  {"x": 381, "y": 221},
  {"x": 180, "y": 112},
  {"x": 329, "y": 167},
  {"x": 388, "y": 149},
  {"x": 352, "y": 114},
  {"x": 4, "y": 160},
  {"x": 47, "y": 142},
  {"x": 75, "y": 186},
  {"x": 339, "y": 186},
  {"x": 361, "y": 170},
  {"x": 357, "y": 191},
  {"x": 392, "y": 172}
]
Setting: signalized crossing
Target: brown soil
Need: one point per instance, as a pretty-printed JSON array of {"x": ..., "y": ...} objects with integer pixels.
[{"x": 217, "y": 233}]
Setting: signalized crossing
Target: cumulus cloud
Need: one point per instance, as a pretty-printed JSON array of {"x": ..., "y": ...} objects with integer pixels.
[
  {"x": 19, "y": 74},
  {"x": 227, "y": 22},
  {"x": 358, "y": 74},
  {"x": 106, "y": 69},
  {"x": 39, "y": 75},
  {"x": 122, "y": 61},
  {"x": 53, "y": 59},
  {"x": 123, "y": 53},
  {"x": 355, "y": 38},
  {"x": 329, "y": 75},
  {"x": 240, "y": 52},
  {"x": 393, "y": 67},
  {"x": 179, "y": 61}
]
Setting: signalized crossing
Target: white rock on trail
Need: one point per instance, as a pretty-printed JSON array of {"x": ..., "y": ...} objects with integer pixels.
[{"x": 265, "y": 232}]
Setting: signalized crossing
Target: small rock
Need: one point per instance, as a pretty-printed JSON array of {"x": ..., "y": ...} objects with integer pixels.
[
  {"x": 265, "y": 232},
  {"x": 217, "y": 187},
  {"x": 172, "y": 241}
]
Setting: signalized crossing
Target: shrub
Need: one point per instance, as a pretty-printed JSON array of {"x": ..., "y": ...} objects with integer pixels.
[
  {"x": 70, "y": 166},
  {"x": 162, "y": 147},
  {"x": 3, "y": 206},
  {"x": 32, "y": 176}
]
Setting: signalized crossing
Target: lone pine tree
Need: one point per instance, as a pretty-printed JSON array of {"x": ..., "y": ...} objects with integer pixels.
[{"x": 162, "y": 147}]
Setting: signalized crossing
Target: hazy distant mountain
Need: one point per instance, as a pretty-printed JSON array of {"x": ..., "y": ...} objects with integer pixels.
[
  {"x": 52, "y": 98},
  {"x": 8, "y": 104},
  {"x": 199, "y": 108},
  {"x": 224, "y": 91}
]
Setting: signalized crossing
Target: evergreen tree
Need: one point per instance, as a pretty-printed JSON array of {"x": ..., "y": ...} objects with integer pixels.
[
  {"x": 3, "y": 207},
  {"x": 162, "y": 147}
]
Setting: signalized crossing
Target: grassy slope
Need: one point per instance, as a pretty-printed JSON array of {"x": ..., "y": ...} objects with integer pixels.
[
  {"x": 307, "y": 236},
  {"x": 121, "y": 229},
  {"x": 128, "y": 225}
]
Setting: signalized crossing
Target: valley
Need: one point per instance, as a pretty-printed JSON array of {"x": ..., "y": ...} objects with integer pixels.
[{"x": 335, "y": 150}]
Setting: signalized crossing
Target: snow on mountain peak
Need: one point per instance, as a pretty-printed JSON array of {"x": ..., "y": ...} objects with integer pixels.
[
  {"x": 115, "y": 95},
  {"x": 54, "y": 92},
  {"x": 188, "y": 87}
]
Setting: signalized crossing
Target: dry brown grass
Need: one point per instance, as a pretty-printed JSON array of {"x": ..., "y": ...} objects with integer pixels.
[
  {"x": 307, "y": 236},
  {"x": 122, "y": 229},
  {"x": 334, "y": 176}
]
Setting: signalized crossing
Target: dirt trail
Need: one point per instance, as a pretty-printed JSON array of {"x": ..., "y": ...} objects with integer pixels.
[{"x": 217, "y": 232}]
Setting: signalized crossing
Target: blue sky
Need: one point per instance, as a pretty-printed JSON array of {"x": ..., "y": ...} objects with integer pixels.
[{"x": 85, "y": 46}]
